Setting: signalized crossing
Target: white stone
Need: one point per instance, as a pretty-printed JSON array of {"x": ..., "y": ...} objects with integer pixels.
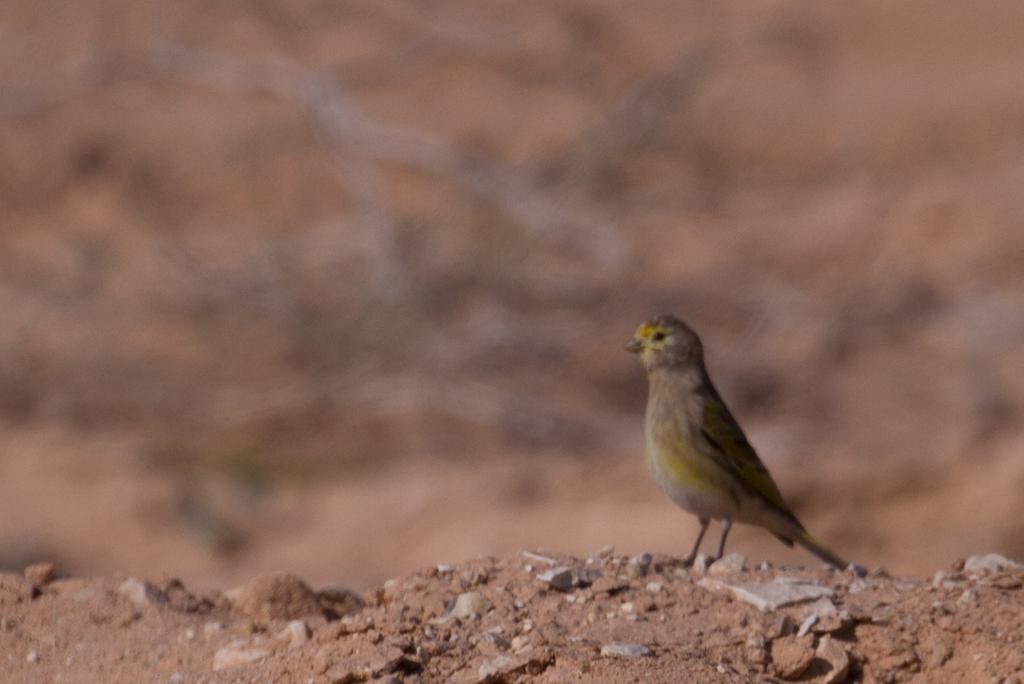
[
  {"x": 770, "y": 595},
  {"x": 537, "y": 558},
  {"x": 494, "y": 666},
  {"x": 944, "y": 579},
  {"x": 806, "y": 625},
  {"x": 990, "y": 562},
  {"x": 297, "y": 632},
  {"x": 642, "y": 560},
  {"x": 469, "y": 604},
  {"x": 211, "y": 628},
  {"x": 141, "y": 593},
  {"x": 557, "y": 578},
  {"x": 625, "y": 651},
  {"x": 236, "y": 654},
  {"x": 728, "y": 565}
]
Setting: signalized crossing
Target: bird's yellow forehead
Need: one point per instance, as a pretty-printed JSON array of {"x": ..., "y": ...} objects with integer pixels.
[{"x": 646, "y": 330}]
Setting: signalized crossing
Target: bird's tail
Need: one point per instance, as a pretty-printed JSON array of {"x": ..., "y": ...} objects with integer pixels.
[{"x": 805, "y": 540}]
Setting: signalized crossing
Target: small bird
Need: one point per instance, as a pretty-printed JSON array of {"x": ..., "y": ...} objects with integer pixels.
[{"x": 697, "y": 451}]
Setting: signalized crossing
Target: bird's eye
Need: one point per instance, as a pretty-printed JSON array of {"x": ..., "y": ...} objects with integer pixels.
[{"x": 658, "y": 336}]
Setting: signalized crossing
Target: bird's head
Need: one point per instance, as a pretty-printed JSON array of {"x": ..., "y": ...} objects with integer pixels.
[{"x": 665, "y": 341}]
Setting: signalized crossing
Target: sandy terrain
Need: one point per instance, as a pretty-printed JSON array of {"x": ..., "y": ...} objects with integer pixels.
[{"x": 528, "y": 617}]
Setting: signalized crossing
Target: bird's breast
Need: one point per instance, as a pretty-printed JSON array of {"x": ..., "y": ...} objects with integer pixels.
[{"x": 681, "y": 465}]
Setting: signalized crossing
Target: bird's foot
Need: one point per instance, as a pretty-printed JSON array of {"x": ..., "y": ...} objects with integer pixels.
[{"x": 688, "y": 561}]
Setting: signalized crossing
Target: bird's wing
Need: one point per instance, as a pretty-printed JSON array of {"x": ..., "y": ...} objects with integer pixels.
[{"x": 724, "y": 433}]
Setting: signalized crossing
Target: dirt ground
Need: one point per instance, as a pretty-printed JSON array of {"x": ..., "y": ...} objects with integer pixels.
[{"x": 527, "y": 617}]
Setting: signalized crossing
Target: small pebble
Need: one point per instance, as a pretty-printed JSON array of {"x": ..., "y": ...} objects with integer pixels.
[
  {"x": 642, "y": 560},
  {"x": 943, "y": 579},
  {"x": 806, "y": 625},
  {"x": 537, "y": 558},
  {"x": 625, "y": 651},
  {"x": 297, "y": 632},
  {"x": 832, "y": 652},
  {"x": 391, "y": 587},
  {"x": 728, "y": 565},
  {"x": 857, "y": 570},
  {"x": 496, "y": 668},
  {"x": 557, "y": 578},
  {"x": 991, "y": 562},
  {"x": 791, "y": 656},
  {"x": 236, "y": 654},
  {"x": 141, "y": 593},
  {"x": 470, "y": 604}
]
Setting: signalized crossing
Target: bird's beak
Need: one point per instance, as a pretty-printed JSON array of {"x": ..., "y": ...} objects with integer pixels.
[{"x": 634, "y": 346}]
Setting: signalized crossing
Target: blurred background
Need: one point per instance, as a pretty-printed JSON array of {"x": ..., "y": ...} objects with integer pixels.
[{"x": 342, "y": 288}]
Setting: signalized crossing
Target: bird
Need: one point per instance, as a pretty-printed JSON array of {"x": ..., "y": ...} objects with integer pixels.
[{"x": 698, "y": 453}]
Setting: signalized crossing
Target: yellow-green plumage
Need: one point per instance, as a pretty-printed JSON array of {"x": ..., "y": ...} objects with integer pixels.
[{"x": 695, "y": 449}]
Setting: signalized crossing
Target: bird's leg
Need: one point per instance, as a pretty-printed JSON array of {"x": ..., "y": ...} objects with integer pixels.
[
  {"x": 726, "y": 526},
  {"x": 688, "y": 561}
]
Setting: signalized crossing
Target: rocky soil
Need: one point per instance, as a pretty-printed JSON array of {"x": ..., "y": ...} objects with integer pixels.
[{"x": 525, "y": 617}]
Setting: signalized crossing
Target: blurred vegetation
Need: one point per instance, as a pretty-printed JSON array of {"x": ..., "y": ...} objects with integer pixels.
[{"x": 285, "y": 240}]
